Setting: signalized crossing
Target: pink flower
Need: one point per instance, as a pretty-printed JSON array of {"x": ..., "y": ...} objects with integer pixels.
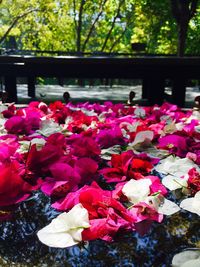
[
  {"x": 107, "y": 216},
  {"x": 12, "y": 187},
  {"x": 65, "y": 178},
  {"x": 86, "y": 168},
  {"x": 144, "y": 216},
  {"x": 194, "y": 181},
  {"x": 126, "y": 166},
  {"x": 39, "y": 161},
  {"x": 110, "y": 137},
  {"x": 176, "y": 144},
  {"x": 83, "y": 146},
  {"x": 17, "y": 125},
  {"x": 156, "y": 185}
]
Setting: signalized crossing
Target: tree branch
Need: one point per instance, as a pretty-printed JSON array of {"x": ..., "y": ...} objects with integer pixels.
[
  {"x": 175, "y": 9},
  {"x": 15, "y": 21},
  {"x": 122, "y": 34},
  {"x": 74, "y": 10},
  {"x": 193, "y": 8},
  {"x": 112, "y": 26},
  {"x": 79, "y": 26},
  {"x": 94, "y": 23}
]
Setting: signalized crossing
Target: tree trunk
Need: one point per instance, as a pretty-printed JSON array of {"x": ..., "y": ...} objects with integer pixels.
[
  {"x": 183, "y": 11},
  {"x": 182, "y": 35},
  {"x": 79, "y": 26}
]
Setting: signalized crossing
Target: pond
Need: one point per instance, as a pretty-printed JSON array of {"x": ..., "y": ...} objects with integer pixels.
[
  {"x": 19, "y": 245},
  {"x": 130, "y": 168}
]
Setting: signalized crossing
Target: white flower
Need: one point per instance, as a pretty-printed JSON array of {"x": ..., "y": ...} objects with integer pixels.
[
  {"x": 25, "y": 145},
  {"x": 49, "y": 127},
  {"x": 187, "y": 258},
  {"x": 176, "y": 170},
  {"x": 140, "y": 112},
  {"x": 170, "y": 128},
  {"x": 108, "y": 152},
  {"x": 143, "y": 137},
  {"x": 192, "y": 204},
  {"x": 137, "y": 190},
  {"x": 168, "y": 207},
  {"x": 162, "y": 205},
  {"x": 3, "y": 107},
  {"x": 65, "y": 230}
]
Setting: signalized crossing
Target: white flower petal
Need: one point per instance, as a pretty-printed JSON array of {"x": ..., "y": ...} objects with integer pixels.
[
  {"x": 173, "y": 182},
  {"x": 143, "y": 136},
  {"x": 153, "y": 201},
  {"x": 137, "y": 190},
  {"x": 185, "y": 257},
  {"x": 168, "y": 207},
  {"x": 140, "y": 112},
  {"x": 177, "y": 170},
  {"x": 107, "y": 153},
  {"x": 65, "y": 230},
  {"x": 192, "y": 204},
  {"x": 3, "y": 107},
  {"x": 49, "y": 127},
  {"x": 57, "y": 239},
  {"x": 191, "y": 263},
  {"x": 176, "y": 166}
]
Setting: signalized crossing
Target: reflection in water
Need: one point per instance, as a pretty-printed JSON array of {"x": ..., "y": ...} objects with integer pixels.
[{"x": 19, "y": 245}]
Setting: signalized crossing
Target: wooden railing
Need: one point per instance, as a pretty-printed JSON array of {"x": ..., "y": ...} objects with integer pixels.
[{"x": 152, "y": 70}]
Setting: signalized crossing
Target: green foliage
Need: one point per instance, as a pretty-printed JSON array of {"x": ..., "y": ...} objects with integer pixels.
[{"x": 94, "y": 25}]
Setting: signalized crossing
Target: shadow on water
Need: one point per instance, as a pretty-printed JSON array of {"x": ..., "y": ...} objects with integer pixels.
[{"x": 20, "y": 247}]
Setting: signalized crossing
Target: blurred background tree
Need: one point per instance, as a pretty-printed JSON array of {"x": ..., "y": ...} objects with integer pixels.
[{"x": 100, "y": 25}]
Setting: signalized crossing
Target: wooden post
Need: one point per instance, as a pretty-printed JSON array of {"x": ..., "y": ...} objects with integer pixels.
[
  {"x": 145, "y": 88},
  {"x": 156, "y": 91},
  {"x": 11, "y": 88},
  {"x": 178, "y": 91},
  {"x": 31, "y": 86}
]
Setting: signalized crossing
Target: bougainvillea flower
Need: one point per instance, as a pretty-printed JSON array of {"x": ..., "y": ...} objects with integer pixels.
[
  {"x": 13, "y": 189},
  {"x": 167, "y": 207},
  {"x": 86, "y": 168},
  {"x": 126, "y": 166},
  {"x": 48, "y": 127},
  {"x": 184, "y": 258},
  {"x": 143, "y": 138},
  {"x": 194, "y": 147},
  {"x": 70, "y": 200},
  {"x": 192, "y": 204},
  {"x": 194, "y": 181},
  {"x": 139, "y": 168},
  {"x": 101, "y": 206},
  {"x": 67, "y": 149},
  {"x": 17, "y": 125},
  {"x": 83, "y": 146},
  {"x": 63, "y": 179},
  {"x": 41, "y": 160},
  {"x": 175, "y": 144},
  {"x": 110, "y": 137},
  {"x": 137, "y": 190},
  {"x": 156, "y": 185},
  {"x": 9, "y": 111},
  {"x": 66, "y": 229},
  {"x": 176, "y": 171},
  {"x": 7, "y": 149},
  {"x": 31, "y": 115},
  {"x": 144, "y": 216}
]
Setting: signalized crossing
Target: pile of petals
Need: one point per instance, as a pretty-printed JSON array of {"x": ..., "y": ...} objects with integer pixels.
[{"x": 107, "y": 169}]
